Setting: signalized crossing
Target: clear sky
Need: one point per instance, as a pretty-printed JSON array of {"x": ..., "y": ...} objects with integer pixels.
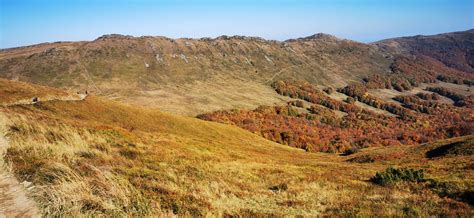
[{"x": 25, "y": 22}]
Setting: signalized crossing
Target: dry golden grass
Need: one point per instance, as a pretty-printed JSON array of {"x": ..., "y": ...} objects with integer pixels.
[
  {"x": 14, "y": 92},
  {"x": 200, "y": 97},
  {"x": 389, "y": 94},
  {"x": 96, "y": 157}
]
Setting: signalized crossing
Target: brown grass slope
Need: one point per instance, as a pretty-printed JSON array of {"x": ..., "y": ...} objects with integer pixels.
[
  {"x": 191, "y": 76},
  {"x": 13, "y": 200},
  {"x": 455, "y": 50},
  {"x": 14, "y": 92},
  {"x": 98, "y": 157}
]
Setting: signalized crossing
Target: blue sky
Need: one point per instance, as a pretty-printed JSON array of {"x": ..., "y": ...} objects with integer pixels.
[{"x": 25, "y": 22}]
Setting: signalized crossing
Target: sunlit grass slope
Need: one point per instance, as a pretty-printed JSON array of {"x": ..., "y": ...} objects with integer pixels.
[
  {"x": 12, "y": 92},
  {"x": 96, "y": 157}
]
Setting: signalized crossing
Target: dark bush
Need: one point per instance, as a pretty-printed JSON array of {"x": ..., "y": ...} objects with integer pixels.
[
  {"x": 129, "y": 153},
  {"x": 297, "y": 103},
  {"x": 428, "y": 96},
  {"x": 247, "y": 121},
  {"x": 443, "y": 189},
  {"x": 447, "y": 93},
  {"x": 455, "y": 80},
  {"x": 350, "y": 100},
  {"x": 350, "y": 151},
  {"x": 393, "y": 175},
  {"x": 453, "y": 149},
  {"x": 411, "y": 212},
  {"x": 451, "y": 190},
  {"x": 329, "y": 90},
  {"x": 362, "y": 159},
  {"x": 279, "y": 188},
  {"x": 467, "y": 196}
]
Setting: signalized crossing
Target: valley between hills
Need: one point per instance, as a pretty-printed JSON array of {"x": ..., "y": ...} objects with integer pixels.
[{"x": 241, "y": 126}]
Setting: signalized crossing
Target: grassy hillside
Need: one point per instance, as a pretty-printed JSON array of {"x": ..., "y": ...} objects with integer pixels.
[
  {"x": 96, "y": 156},
  {"x": 12, "y": 92},
  {"x": 455, "y": 49},
  {"x": 192, "y": 76}
]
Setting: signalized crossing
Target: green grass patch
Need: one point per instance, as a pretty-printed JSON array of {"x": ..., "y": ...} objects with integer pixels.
[{"x": 393, "y": 175}]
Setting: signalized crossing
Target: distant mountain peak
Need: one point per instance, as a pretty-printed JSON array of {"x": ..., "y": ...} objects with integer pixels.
[
  {"x": 322, "y": 36},
  {"x": 238, "y": 37},
  {"x": 318, "y": 36},
  {"x": 114, "y": 36}
]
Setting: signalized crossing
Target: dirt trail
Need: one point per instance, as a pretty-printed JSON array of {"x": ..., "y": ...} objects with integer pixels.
[
  {"x": 78, "y": 97},
  {"x": 13, "y": 200}
]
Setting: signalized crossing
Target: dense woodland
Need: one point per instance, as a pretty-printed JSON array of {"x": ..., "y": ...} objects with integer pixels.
[
  {"x": 318, "y": 127},
  {"x": 459, "y": 100}
]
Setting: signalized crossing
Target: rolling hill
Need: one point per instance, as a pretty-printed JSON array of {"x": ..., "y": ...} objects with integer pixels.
[
  {"x": 192, "y": 76},
  {"x": 455, "y": 50},
  {"x": 393, "y": 118},
  {"x": 97, "y": 157}
]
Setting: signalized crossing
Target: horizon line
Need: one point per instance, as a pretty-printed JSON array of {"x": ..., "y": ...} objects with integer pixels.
[{"x": 225, "y": 35}]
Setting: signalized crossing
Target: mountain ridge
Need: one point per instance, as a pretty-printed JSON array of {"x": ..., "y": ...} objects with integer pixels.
[
  {"x": 193, "y": 76},
  {"x": 455, "y": 49},
  {"x": 222, "y": 64}
]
